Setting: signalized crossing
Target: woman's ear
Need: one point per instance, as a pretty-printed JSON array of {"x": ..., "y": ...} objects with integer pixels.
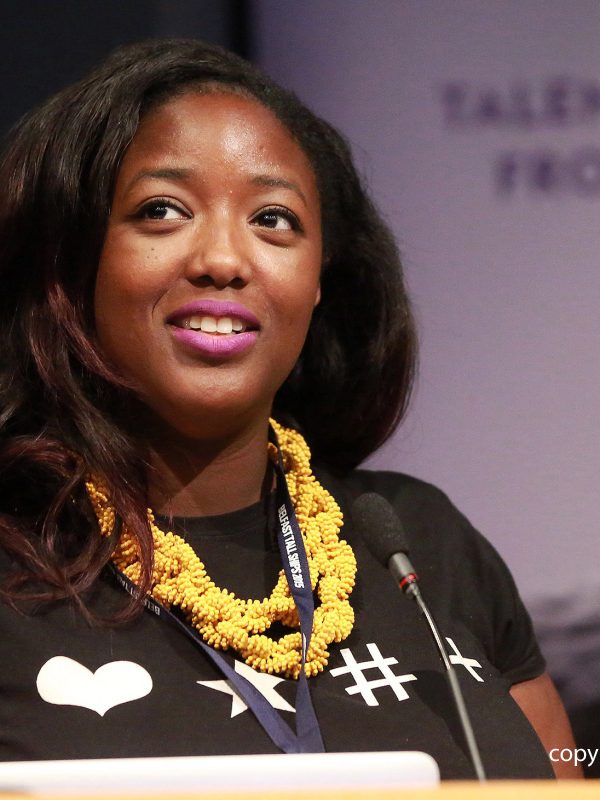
[{"x": 318, "y": 295}]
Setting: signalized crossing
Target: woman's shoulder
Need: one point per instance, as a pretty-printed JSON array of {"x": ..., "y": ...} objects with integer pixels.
[
  {"x": 413, "y": 500},
  {"x": 436, "y": 530},
  {"x": 461, "y": 572},
  {"x": 398, "y": 488}
]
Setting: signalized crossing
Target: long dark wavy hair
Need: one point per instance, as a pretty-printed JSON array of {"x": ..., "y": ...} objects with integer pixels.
[{"x": 63, "y": 411}]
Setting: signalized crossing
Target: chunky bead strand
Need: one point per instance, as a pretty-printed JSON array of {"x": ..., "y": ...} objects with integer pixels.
[{"x": 225, "y": 621}]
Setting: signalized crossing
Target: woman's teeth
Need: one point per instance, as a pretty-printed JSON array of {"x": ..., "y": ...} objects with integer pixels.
[{"x": 214, "y": 324}]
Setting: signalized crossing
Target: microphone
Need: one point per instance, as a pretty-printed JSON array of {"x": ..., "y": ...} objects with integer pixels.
[
  {"x": 384, "y": 535},
  {"x": 382, "y": 531}
]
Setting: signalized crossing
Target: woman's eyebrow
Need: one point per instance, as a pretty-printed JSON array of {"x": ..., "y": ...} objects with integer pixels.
[
  {"x": 168, "y": 173},
  {"x": 182, "y": 173},
  {"x": 270, "y": 180}
]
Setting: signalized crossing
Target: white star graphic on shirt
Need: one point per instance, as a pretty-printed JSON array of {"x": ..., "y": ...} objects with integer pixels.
[{"x": 261, "y": 681}]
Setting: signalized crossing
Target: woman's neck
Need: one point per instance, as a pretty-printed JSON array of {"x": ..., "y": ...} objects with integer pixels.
[{"x": 200, "y": 478}]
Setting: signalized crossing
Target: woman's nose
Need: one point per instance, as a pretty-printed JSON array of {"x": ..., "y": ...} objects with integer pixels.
[{"x": 219, "y": 255}]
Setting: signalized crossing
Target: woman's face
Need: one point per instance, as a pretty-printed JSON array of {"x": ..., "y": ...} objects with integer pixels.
[{"x": 210, "y": 268}]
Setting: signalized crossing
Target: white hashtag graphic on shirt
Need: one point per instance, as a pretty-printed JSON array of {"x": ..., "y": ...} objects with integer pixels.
[{"x": 366, "y": 687}]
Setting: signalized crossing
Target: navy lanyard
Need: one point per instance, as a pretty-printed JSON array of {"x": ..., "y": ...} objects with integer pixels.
[{"x": 307, "y": 738}]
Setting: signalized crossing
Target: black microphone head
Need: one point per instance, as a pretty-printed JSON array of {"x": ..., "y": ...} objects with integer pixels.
[{"x": 379, "y": 525}]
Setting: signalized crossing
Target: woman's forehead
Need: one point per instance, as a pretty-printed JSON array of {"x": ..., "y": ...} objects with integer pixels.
[{"x": 230, "y": 128}]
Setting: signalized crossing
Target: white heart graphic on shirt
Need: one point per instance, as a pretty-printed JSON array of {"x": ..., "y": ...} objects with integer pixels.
[{"x": 65, "y": 682}]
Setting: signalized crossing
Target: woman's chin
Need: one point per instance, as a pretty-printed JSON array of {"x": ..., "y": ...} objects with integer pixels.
[{"x": 203, "y": 418}]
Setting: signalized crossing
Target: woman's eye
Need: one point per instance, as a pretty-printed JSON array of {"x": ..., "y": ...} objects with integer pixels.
[
  {"x": 161, "y": 210},
  {"x": 277, "y": 219}
]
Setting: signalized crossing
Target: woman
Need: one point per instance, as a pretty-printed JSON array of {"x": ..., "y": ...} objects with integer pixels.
[{"x": 187, "y": 252}]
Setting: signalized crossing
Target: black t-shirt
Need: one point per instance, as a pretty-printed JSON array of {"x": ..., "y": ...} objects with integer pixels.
[{"x": 68, "y": 690}]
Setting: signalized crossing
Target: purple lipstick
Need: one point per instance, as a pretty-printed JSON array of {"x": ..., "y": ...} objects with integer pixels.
[{"x": 214, "y": 328}]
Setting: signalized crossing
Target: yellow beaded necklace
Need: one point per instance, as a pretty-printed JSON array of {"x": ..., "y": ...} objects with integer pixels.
[{"x": 226, "y": 621}]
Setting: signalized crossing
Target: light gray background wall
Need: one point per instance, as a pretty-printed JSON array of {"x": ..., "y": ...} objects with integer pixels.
[{"x": 502, "y": 264}]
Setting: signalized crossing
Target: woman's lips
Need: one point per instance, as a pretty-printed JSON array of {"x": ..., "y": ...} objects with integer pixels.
[
  {"x": 215, "y": 344},
  {"x": 240, "y": 327},
  {"x": 214, "y": 308}
]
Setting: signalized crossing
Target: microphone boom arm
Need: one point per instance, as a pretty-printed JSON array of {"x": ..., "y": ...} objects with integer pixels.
[{"x": 412, "y": 589}]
